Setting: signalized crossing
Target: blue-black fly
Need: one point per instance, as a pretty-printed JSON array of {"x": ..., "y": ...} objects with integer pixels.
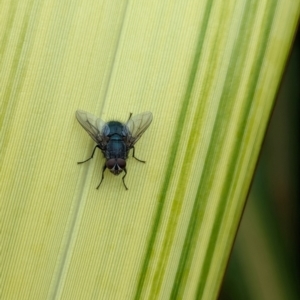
[{"x": 114, "y": 139}]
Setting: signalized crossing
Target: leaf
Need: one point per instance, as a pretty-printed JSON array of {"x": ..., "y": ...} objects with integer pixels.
[{"x": 208, "y": 71}]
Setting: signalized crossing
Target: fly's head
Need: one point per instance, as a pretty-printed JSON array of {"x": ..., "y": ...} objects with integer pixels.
[{"x": 116, "y": 165}]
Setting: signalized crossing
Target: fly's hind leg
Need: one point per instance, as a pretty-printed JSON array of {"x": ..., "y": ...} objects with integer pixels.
[
  {"x": 124, "y": 177},
  {"x": 104, "y": 167},
  {"x": 133, "y": 152},
  {"x": 130, "y": 114}
]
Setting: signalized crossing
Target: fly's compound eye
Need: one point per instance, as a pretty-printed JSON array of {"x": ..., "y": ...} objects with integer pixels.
[
  {"x": 111, "y": 163},
  {"x": 116, "y": 165},
  {"x": 121, "y": 162}
]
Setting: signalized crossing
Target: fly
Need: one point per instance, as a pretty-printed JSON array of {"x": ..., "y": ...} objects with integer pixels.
[{"x": 114, "y": 139}]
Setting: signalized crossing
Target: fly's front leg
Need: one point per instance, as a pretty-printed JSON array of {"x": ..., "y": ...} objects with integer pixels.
[
  {"x": 103, "y": 169},
  {"x": 136, "y": 157},
  {"x": 124, "y": 177},
  {"x": 81, "y": 162}
]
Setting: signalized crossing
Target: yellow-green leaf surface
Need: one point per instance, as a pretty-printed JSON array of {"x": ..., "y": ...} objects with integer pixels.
[{"x": 207, "y": 70}]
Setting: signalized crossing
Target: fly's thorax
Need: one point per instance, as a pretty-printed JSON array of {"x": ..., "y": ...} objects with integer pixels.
[{"x": 115, "y": 148}]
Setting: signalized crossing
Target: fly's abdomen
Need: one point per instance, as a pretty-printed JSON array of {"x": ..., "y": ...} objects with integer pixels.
[{"x": 115, "y": 128}]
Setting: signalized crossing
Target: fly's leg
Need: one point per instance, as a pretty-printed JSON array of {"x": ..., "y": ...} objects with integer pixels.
[
  {"x": 130, "y": 114},
  {"x": 81, "y": 162},
  {"x": 104, "y": 167},
  {"x": 124, "y": 177},
  {"x": 136, "y": 157}
]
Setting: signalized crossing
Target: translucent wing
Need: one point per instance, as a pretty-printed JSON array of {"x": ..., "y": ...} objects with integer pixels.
[
  {"x": 136, "y": 126},
  {"x": 93, "y": 126}
]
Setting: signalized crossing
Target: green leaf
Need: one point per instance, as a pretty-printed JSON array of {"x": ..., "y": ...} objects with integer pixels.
[{"x": 207, "y": 70}]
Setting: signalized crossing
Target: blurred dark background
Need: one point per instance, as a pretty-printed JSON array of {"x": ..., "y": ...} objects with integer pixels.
[{"x": 264, "y": 263}]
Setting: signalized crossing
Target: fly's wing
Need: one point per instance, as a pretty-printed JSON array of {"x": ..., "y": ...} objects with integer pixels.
[
  {"x": 136, "y": 126},
  {"x": 93, "y": 126}
]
